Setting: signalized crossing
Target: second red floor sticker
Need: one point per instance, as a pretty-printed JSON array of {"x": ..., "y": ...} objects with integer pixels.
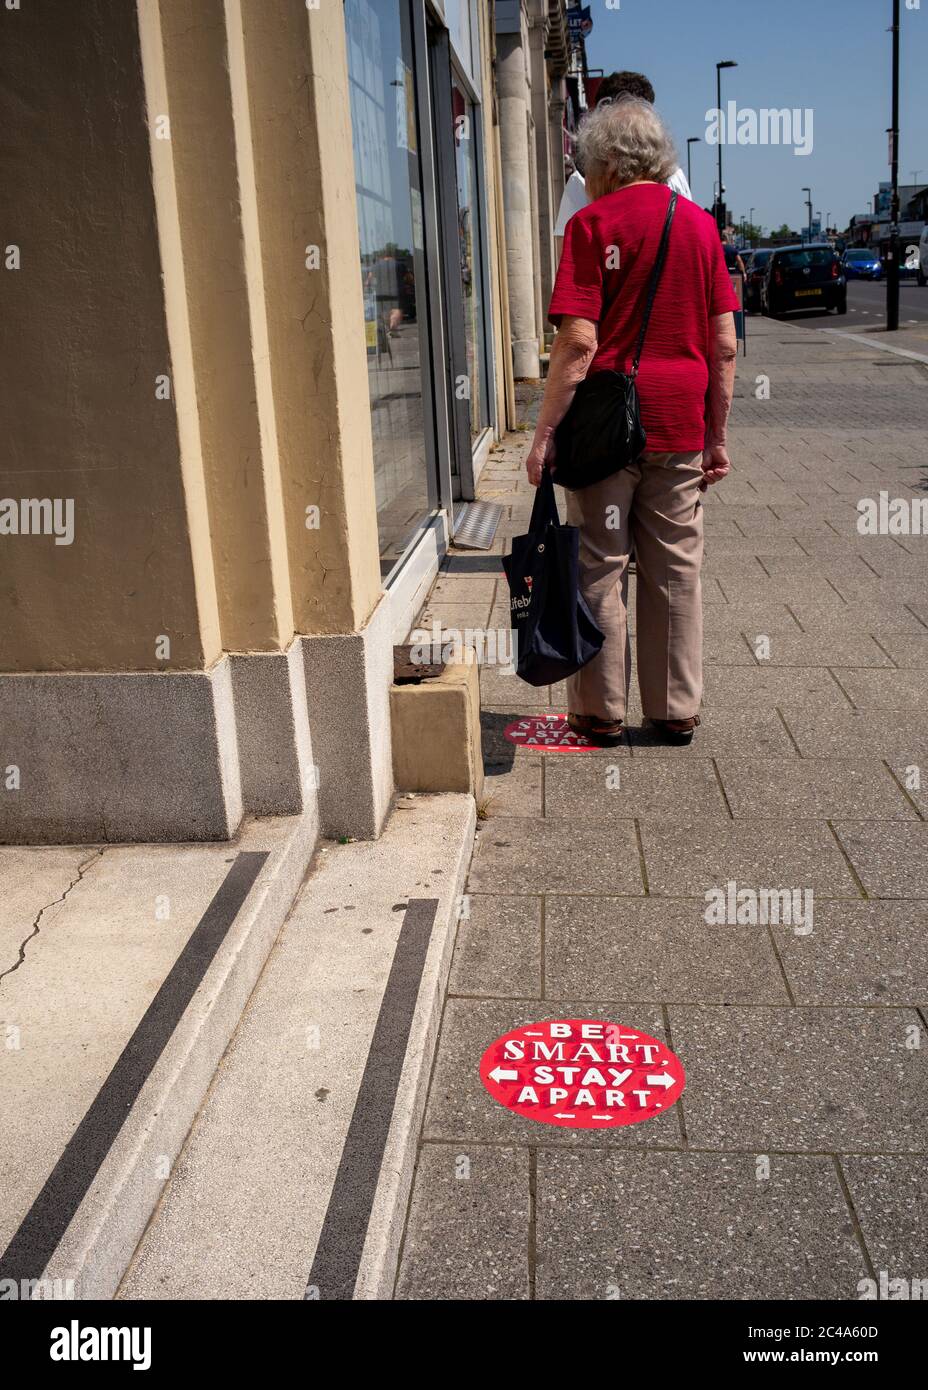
[{"x": 582, "y": 1073}]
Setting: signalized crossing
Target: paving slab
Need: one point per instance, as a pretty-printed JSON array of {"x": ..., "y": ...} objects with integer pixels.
[
  {"x": 900, "y": 738},
  {"x": 468, "y": 1232},
  {"x": 893, "y": 590},
  {"x": 796, "y": 589},
  {"x": 502, "y": 687},
  {"x": 885, "y": 690},
  {"x": 748, "y": 617},
  {"x": 584, "y": 789},
  {"x": 872, "y": 952},
  {"x": 815, "y": 649},
  {"x": 466, "y": 588},
  {"x": 870, "y": 617},
  {"x": 738, "y": 564},
  {"x": 452, "y": 614},
  {"x": 909, "y": 652},
  {"x": 498, "y": 947},
  {"x": 512, "y": 789},
  {"x": 525, "y": 855},
  {"x": 726, "y": 649},
  {"x": 692, "y": 1226},
  {"x": 753, "y": 546},
  {"x": 890, "y": 1197},
  {"x": 813, "y": 789},
  {"x": 890, "y": 859},
  {"x": 654, "y": 949},
  {"x": 461, "y": 1110},
  {"x": 849, "y": 566},
  {"x": 738, "y": 731},
  {"x": 764, "y": 687},
  {"x": 803, "y": 1079},
  {"x": 686, "y": 859}
]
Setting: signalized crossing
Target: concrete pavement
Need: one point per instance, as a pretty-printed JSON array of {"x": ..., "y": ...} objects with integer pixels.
[{"x": 796, "y": 1163}]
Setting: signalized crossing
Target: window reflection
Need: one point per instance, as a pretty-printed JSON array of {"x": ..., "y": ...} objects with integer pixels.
[
  {"x": 387, "y": 178},
  {"x": 465, "y": 141}
]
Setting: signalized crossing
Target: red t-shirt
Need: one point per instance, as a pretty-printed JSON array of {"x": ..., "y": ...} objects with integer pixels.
[{"x": 609, "y": 251}]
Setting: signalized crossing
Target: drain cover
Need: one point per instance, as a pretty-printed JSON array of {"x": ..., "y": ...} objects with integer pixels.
[{"x": 478, "y": 525}]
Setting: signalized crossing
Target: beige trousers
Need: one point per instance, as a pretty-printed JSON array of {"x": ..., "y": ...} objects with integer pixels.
[{"x": 653, "y": 506}]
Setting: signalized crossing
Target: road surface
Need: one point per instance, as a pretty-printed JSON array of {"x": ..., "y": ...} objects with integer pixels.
[{"x": 866, "y": 303}]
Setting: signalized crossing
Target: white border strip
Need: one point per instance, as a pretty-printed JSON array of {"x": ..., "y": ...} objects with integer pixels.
[{"x": 870, "y": 343}]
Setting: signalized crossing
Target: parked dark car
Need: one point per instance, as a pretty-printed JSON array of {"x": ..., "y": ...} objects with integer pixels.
[
  {"x": 862, "y": 263},
  {"x": 803, "y": 277},
  {"x": 754, "y": 278}
]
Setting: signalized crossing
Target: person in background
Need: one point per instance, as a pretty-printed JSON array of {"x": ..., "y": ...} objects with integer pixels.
[
  {"x": 575, "y": 195},
  {"x": 685, "y": 387},
  {"x": 732, "y": 255}
]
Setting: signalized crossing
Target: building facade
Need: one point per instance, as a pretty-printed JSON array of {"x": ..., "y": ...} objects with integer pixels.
[{"x": 270, "y": 269}]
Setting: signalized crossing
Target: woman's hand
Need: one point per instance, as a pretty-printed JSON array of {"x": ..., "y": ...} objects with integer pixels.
[
  {"x": 540, "y": 454},
  {"x": 716, "y": 465}
]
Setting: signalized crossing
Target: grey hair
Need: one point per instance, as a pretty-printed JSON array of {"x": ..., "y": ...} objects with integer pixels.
[{"x": 624, "y": 141}]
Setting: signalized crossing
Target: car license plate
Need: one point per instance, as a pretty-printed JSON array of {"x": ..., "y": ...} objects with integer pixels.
[{"x": 799, "y": 292}]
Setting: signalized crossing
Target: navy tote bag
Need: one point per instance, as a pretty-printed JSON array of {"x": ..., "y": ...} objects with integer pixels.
[{"x": 553, "y": 630}]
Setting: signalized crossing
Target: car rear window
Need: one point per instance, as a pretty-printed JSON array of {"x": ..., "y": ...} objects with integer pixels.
[{"x": 798, "y": 260}]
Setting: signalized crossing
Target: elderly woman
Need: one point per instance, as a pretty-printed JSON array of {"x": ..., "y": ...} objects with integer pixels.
[{"x": 685, "y": 387}]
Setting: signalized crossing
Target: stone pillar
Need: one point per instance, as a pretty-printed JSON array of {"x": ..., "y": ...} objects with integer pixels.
[
  {"x": 294, "y": 77},
  {"x": 188, "y": 530},
  {"x": 116, "y": 715},
  {"x": 557, "y": 106},
  {"x": 514, "y": 105},
  {"x": 547, "y": 206}
]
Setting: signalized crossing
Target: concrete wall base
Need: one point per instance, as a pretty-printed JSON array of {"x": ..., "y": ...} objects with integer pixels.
[
  {"x": 90, "y": 758},
  {"x": 170, "y": 756},
  {"x": 279, "y": 777},
  {"x": 348, "y": 678}
]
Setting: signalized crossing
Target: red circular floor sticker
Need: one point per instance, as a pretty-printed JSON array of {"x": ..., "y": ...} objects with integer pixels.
[
  {"x": 545, "y": 733},
  {"x": 581, "y": 1073}
]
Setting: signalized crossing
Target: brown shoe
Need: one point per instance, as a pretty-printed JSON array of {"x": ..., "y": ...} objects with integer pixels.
[
  {"x": 678, "y": 731},
  {"x": 605, "y": 733}
]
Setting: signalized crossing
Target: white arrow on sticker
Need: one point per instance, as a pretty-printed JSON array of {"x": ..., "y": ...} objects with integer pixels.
[
  {"x": 665, "y": 1080},
  {"x": 498, "y": 1074}
]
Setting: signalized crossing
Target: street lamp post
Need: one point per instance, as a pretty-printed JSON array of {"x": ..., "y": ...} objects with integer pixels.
[
  {"x": 751, "y": 224},
  {"x": 892, "y": 260},
  {"x": 808, "y": 193},
  {"x": 719, "y": 207},
  {"x": 690, "y": 142}
]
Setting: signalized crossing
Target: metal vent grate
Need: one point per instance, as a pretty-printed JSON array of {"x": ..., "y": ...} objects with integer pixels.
[{"x": 478, "y": 526}]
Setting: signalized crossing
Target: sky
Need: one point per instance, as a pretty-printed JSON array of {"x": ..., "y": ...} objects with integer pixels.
[{"x": 833, "y": 57}]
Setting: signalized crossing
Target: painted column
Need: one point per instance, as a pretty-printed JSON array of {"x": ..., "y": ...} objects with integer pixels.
[{"x": 514, "y": 105}]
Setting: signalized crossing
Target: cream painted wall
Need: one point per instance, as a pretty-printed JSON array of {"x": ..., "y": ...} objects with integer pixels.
[{"x": 87, "y": 329}]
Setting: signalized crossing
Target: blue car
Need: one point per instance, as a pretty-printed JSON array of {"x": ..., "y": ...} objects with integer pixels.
[{"x": 862, "y": 264}]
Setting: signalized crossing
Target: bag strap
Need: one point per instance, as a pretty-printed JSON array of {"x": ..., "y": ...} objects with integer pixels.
[
  {"x": 544, "y": 508},
  {"x": 655, "y": 279}
]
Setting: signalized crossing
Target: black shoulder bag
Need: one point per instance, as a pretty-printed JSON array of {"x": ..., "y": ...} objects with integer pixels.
[{"x": 602, "y": 431}]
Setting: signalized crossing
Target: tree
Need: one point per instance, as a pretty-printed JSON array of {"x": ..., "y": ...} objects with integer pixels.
[{"x": 781, "y": 233}]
